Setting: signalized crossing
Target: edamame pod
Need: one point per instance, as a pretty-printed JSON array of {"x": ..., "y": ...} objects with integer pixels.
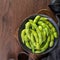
[
  {"x": 52, "y": 40},
  {"x": 27, "y": 26},
  {"x": 40, "y": 28},
  {"x": 55, "y": 34},
  {"x": 36, "y": 19},
  {"x": 37, "y": 46},
  {"x": 28, "y": 33},
  {"x": 26, "y": 38},
  {"x": 23, "y": 33},
  {"x": 28, "y": 45},
  {"x": 39, "y": 35},
  {"x": 32, "y": 39},
  {"x": 41, "y": 24},
  {"x": 46, "y": 45},
  {"x": 35, "y": 35},
  {"x": 32, "y": 47},
  {"x": 43, "y": 18},
  {"x": 44, "y": 35},
  {"x": 51, "y": 43}
]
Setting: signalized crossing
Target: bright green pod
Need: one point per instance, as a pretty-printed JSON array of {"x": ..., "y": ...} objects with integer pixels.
[
  {"x": 36, "y": 19},
  {"x": 45, "y": 27},
  {"x": 51, "y": 43},
  {"x": 39, "y": 35},
  {"x": 37, "y": 46},
  {"x": 52, "y": 40},
  {"x": 27, "y": 25},
  {"x": 55, "y": 34},
  {"x": 46, "y": 45},
  {"x": 44, "y": 35},
  {"x": 28, "y": 33},
  {"x": 35, "y": 35},
  {"x": 41, "y": 23},
  {"x": 43, "y": 18},
  {"x": 52, "y": 37},
  {"x": 28, "y": 45},
  {"x": 26, "y": 38},
  {"x": 40, "y": 28},
  {"x": 53, "y": 29},
  {"x": 34, "y": 25},
  {"x": 23, "y": 33},
  {"x": 32, "y": 38},
  {"x": 47, "y": 31},
  {"x": 32, "y": 47}
]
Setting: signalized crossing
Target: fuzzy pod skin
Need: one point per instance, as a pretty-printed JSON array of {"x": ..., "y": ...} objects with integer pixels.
[
  {"x": 43, "y": 18},
  {"x": 35, "y": 35},
  {"x": 55, "y": 34},
  {"x": 28, "y": 45},
  {"x": 23, "y": 33},
  {"x": 46, "y": 45},
  {"x": 27, "y": 27},
  {"x": 51, "y": 43},
  {"x": 39, "y": 35},
  {"x": 36, "y": 19},
  {"x": 32, "y": 38},
  {"x": 45, "y": 27},
  {"x": 44, "y": 48},
  {"x": 52, "y": 40},
  {"x": 45, "y": 35},
  {"x": 37, "y": 46},
  {"x": 32, "y": 47},
  {"x": 40, "y": 28}
]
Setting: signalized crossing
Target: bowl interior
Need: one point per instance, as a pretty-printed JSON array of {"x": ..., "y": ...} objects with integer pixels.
[{"x": 22, "y": 26}]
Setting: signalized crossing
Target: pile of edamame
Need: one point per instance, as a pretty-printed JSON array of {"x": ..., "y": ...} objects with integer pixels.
[{"x": 39, "y": 34}]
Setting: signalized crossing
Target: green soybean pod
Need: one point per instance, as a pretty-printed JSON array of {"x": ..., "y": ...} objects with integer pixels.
[
  {"x": 46, "y": 45},
  {"x": 45, "y": 27},
  {"x": 43, "y": 18},
  {"x": 32, "y": 47},
  {"x": 23, "y": 33},
  {"x": 51, "y": 43},
  {"x": 35, "y": 35},
  {"x": 40, "y": 28},
  {"x": 27, "y": 27},
  {"x": 52, "y": 37},
  {"x": 52, "y": 40},
  {"x": 37, "y": 46},
  {"x": 28, "y": 45},
  {"x": 51, "y": 26},
  {"x": 34, "y": 25},
  {"x": 44, "y": 35},
  {"x": 28, "y": 33},
  {"x": 26, "y": 38},
  {"x": 41, "y": 24},
  {"x": 46, "y": 30},
  {"x": 55, "y": 34},
  {"x": 32, "y": 38},
  {"x": 53, "y": 29},
  {"x": 36, "y": 19},
  {"x": 39, "y": 35}
]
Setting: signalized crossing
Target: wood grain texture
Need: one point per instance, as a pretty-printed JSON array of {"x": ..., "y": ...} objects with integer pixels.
[{"x": 12, "y": 13}]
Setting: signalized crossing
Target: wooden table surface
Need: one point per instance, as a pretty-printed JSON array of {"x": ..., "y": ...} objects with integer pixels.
[{"x": 12, "y": 13}]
